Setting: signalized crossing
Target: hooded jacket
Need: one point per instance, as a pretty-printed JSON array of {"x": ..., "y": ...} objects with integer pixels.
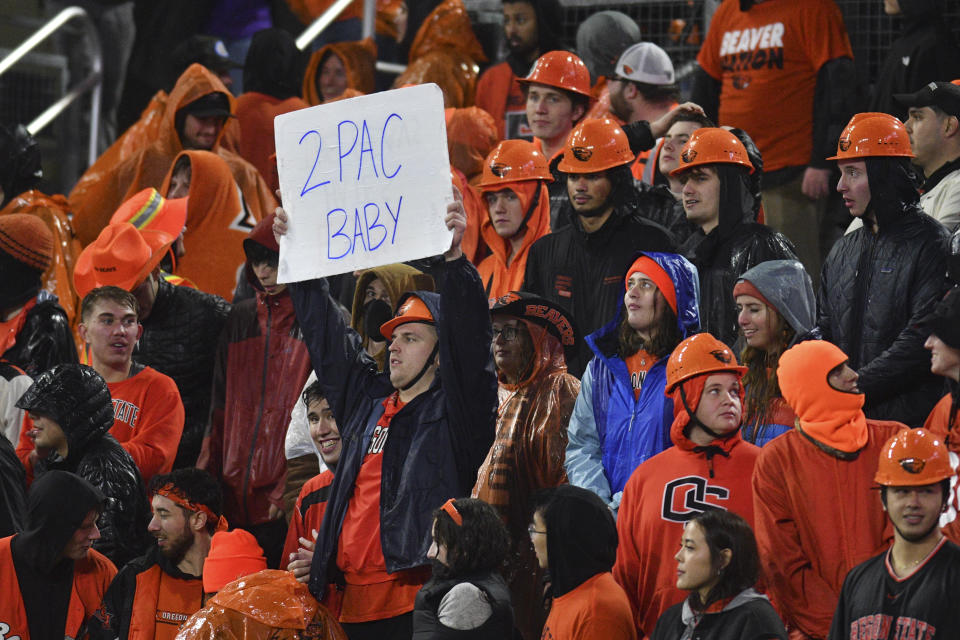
[
  {"x": 817, "y": 515},
  {"x": 32, "y": 575},
  {"x": 44, "y": 340},
  {"x": 662, "y": 494},
  {"x": 437, "y": 440},
  {"x": 358, "y": 60},
  {"x": 471, "y": 136},
  {"x": 583, "y": 272},
  {"x": 786, "y": 286},
  {"x": 78, "y": 400},
  {"x": 268, "y": 605},
  {"x": 526, "y": 456},
  {"x": 925, "y": 51},
  {"x": 875, "y": 288},
  {"x": 398, "y": 279},
  {"x": 498, "y": 277},
  {"x": 262, "y": 363},
  {"x": 217, "y": 224},
  {"x": 611, "y": 430},
  {"x": 735, "y": 245},
  {"x": 747, "y": 616},
  {"x": 96, "y": 196},
  {"x": 180, "y": 340}
]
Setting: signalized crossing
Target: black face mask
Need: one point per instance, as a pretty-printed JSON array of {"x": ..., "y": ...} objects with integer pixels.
[{"x": 375, "y": 313}]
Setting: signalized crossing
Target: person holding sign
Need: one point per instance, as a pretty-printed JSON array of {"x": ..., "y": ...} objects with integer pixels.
[{"x": 412, "y": 437}]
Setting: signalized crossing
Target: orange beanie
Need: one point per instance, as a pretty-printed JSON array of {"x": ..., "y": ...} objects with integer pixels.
[{"x": 233, "y": 554}]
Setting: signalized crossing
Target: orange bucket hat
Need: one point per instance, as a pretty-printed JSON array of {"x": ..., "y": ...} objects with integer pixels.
[{"x": 121, "y": 256}]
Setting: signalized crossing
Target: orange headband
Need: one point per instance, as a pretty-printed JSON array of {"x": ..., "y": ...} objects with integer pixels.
[
  {"x": 175, "y": 495},
  {"x": 452, "y": 512}
]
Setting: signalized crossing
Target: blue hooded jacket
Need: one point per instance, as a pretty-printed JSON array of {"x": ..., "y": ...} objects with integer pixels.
[{"x": 611, "y": 431}]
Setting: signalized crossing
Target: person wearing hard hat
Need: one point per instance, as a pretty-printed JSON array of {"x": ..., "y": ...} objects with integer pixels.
[
  {"x": 708, "y": 467},
  {"x": 816, "y": 514},
  {"x": 879, "y": 281},
  {"x": 410, "y": 441},
  {"x": 717, "y": 195},
  {"x": 913, "y": 584},
  {"x": 581, "y": 265},
  {"x": 514, "y": 188}
]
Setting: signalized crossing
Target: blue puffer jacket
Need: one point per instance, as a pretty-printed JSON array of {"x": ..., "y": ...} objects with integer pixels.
[{"x": 611, "y": 432}]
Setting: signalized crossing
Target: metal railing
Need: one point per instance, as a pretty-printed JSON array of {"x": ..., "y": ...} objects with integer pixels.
[
  {"x": 325, "y": 19},
  {"x": 91, "y": 83}
]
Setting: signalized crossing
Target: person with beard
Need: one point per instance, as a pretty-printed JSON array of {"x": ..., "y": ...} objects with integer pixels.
[
  {"x": 152, "y": 595},
  {"x": 581, "y": 265},
  {"x": 721, "y": 197},
  {"x": 52, "y": 580},
  {"x": 816, "y": 515},
  {"x": 879, "y": 281},
  {"x": 466, "y": 596},
  {"x": 530, "y": 27},
  {"x": 912, "y": 585},
  {"x": 575, "y": 538}
]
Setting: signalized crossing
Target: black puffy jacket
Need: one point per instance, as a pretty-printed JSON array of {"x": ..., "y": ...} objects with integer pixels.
[
  {"x": 45, "y": 339},
  {"x": 180, "y": 340},
  {"x": 78, "y": 400},
  {"x": 426, "y": 622},
  {"x": 875, "y": 287},
  {"x": 437, "y": 440},
  {"x": 735, "y": 245}
]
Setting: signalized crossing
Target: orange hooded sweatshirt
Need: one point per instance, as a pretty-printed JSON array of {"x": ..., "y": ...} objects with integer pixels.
[
  {"x": 95, "y": 200},
  {"x": 216, "y": 224},
  {"x": 662, "y": 494},
  {"x": 499, "y": 277},
  {"x": 817, "y": 513},
  {"x": 358, "y": 59}
]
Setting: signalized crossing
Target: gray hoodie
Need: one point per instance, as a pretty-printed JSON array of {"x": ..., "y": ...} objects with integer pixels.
[{"x": 786, "y": 285}]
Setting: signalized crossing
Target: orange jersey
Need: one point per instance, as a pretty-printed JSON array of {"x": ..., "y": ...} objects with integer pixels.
[{"x": 767, "y": 60}]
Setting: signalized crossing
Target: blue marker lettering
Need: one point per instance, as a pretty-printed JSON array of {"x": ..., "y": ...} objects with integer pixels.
[
  {"x": 396, "y": 217},
  {"x": 383, "y": 135},
  {"x": 353, "y": 144},
  {"x": 358, "y": 230},
  {"x": 366, "y": 146},
  {"x": 338, "y": 233},
  {"x": 376, "y": 225}
]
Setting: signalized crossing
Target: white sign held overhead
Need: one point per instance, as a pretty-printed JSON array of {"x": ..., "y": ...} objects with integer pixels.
[{"x": 365, "y": 182}]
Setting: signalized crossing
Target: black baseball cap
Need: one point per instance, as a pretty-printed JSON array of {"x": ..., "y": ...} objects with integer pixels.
[
  {"x": 944, "y": 95},
  {"x": 212, "y": 104},
  {"x": 944, "y": 321}
]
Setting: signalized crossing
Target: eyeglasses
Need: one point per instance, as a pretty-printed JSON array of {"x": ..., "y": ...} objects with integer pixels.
[
  {"x": 508, "y": 333},
  {"x": 532, "y": 530}
]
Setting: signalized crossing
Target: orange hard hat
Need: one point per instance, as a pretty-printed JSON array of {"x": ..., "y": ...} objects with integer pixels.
[
  {"x": 913, "y": 458},
  {"x": 594, "y": 145},
  {"x": 514, "y": 161},
  {"x": 712, "y": 145},
  {"x": 698, "y": 355},
  {"x": 873, "y": 134},
  {"x": 560, "y": 69},
  {"x": 412, "y": 309}
]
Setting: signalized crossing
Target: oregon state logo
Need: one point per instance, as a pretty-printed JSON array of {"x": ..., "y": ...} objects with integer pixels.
[
  {"x": 499, "y": 169},
  {"x": 689, "y": 155},
  {"x": 844, "y": 144},
  {"x": 685, "y": 498},
  {"x": 582, "y": 153},
  {"x": 4, "y": 630},
  {"x": 721, "y": 356}
]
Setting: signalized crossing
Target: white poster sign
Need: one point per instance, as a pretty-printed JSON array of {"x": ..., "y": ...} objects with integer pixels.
[{"x": 365, "y": 182}]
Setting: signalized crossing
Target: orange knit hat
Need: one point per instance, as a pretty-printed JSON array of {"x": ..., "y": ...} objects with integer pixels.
[
  {"x": 26, "y": 239},
  {"x": 233, "y": 554}
]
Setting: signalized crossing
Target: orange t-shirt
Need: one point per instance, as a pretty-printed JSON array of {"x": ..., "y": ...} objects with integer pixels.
[
  {"x": 767, "y": 60},
  {"x": 371, "y": 593},
  {"x": 638, "y": 365},
  {"x": 598, "y": 608}
]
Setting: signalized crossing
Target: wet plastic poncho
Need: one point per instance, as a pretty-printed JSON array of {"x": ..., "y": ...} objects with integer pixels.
[{"x": 358, "y": 60}]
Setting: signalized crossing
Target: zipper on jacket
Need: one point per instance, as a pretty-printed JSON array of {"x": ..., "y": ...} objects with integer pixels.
[{"x": 256, "y": 427}]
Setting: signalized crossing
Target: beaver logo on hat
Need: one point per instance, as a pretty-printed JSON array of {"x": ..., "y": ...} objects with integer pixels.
[
  {"x": 844, "y": 144},
  {"x": 689, "y": 155},
  {"x": 499, "y": 169},
  {"x": 582, "y": 153},
  {"x": 721, "y": 356}
]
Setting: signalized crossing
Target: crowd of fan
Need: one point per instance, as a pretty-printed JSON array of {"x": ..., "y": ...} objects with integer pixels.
[{"x": 649, "y": 391}]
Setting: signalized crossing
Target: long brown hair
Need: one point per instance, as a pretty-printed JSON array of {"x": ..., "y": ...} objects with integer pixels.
[
  {"x": 760, "y": 382},
  {"x": 664, "y": 336}
]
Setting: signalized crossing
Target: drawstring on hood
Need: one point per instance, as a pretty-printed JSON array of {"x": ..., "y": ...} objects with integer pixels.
[{"x": 686, "y": 400}]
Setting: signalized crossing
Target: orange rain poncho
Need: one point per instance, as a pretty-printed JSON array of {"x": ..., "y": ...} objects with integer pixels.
[
  {"x": 98, "y": 194},
  {"x": 446, "y": 51},
  {"x": 255, "y": 114},
  {"x": 358, "y": 60},
  {"x": 216, "y": 224},
  {"x": 267, "y": 605},
  {"x": 471, "y": 136}
]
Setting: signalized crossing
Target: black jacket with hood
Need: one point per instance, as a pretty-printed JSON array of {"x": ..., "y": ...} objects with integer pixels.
[
  {"x": 437, "y": 440},
  {"x": 583, "y": 272},
  {"x": 735, "y": 245},
  {"x": 45, "y": 340},
  {"x": 875, "y": 288},
  {"x": 78, "y": 400}
]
